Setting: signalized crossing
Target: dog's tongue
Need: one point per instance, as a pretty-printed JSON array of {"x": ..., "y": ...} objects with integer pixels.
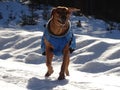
[{"x": 62, "y": 21}]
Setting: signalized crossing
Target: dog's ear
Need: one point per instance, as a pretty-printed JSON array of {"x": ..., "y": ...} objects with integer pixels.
[
  {"x": 71, "y": 9},
  {"x": 53, "y": 11}
]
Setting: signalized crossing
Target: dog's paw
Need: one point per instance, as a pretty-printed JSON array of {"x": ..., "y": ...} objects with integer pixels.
[
  {"x": 48, "y": 73},
  {"x": 61, "y": 77}
]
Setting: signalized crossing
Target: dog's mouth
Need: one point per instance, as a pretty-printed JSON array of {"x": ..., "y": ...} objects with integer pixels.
[{"x": 62, "y": 20}]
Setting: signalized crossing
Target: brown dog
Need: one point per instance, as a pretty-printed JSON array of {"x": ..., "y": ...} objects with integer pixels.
[{"x": 58, "y": 29}]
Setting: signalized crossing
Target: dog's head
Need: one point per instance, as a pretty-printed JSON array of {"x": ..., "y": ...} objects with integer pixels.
[{"x": 62, "y": 14}]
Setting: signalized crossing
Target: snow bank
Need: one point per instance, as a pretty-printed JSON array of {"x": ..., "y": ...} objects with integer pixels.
[{"x": 12, "y": 13}]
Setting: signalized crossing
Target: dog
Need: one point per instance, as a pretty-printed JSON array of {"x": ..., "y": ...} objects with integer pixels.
[{"x": 58, "y": 39}]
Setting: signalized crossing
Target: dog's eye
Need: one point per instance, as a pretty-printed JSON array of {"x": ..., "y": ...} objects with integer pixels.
[
  {"x": 66, "y": 12},
  {"x": 62, "y": 13},
  {"x": 59, "y": 12}
]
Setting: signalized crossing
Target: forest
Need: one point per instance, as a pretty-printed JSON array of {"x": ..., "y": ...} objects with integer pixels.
[{"x": 105, "y": 9}]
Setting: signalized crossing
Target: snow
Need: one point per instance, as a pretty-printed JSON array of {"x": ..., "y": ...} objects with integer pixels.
[{"x": 94, "y": 65}]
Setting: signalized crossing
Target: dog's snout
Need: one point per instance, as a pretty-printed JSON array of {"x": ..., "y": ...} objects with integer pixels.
[{"x": 63, "y": 19}]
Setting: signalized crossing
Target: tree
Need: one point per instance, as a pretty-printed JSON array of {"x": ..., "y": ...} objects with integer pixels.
[{"x": 30, "y": 20}]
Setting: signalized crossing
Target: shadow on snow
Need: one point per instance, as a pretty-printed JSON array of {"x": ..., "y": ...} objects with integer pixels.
[{"x": 44, "y": 84}]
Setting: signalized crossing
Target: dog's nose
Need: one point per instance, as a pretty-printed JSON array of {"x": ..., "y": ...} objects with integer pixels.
[{"x": 63, "y": 19}]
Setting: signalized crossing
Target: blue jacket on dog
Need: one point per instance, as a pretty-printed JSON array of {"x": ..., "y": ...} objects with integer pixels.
[{"x": 58, "y": 42}]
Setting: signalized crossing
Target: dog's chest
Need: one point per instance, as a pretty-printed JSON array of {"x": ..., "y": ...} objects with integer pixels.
[{"x": 58, "y": 43}]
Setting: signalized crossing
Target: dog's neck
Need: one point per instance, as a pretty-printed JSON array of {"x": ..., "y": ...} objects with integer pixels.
[{"x": 58, "y": 29}]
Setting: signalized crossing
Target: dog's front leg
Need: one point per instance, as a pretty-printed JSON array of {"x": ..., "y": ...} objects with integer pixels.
[
  {"x": 65, "y": 64},
  {"x": 49, "y": 56}
]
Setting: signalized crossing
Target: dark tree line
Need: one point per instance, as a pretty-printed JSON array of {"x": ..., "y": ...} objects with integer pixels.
[{"x": 106, "y": 9}]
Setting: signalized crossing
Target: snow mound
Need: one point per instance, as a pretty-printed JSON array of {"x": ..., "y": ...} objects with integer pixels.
[
  {"x": 5, "y": 56},
  {"x": 34, "y": 58},
  {"x": 91, "y": 48},
  {"x": 98, "y": 67},
  {"x": 115, "y": 71}
]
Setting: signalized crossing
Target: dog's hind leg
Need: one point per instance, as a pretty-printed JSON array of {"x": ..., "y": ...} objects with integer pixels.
[{"x": 65, "y": 64}]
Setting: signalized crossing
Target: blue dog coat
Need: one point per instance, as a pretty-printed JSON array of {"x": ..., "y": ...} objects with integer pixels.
[{"x": 58, "y": 42}]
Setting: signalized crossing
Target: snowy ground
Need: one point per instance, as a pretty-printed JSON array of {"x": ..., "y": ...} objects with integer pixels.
[{"x": 95, "y": 64}]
